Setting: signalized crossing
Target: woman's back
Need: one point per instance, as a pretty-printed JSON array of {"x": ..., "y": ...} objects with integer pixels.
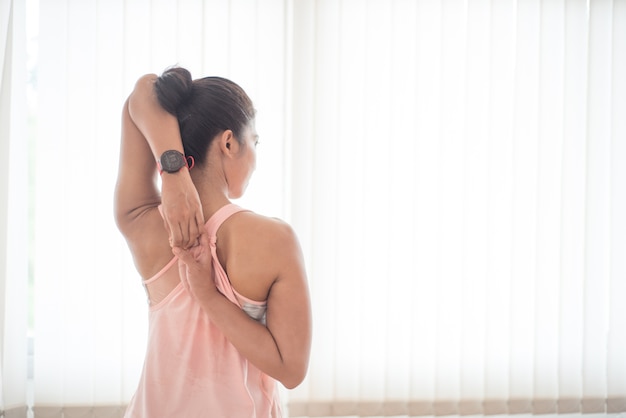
[{"x": 190, "y": 368}]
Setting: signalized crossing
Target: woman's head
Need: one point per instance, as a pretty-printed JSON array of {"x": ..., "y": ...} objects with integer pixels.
[{"x": 204, "y": 108}]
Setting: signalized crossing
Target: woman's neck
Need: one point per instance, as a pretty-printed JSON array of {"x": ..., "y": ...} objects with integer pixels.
[{"x": 213, "y": 192}]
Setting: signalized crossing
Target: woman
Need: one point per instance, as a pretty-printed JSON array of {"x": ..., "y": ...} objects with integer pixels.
[{"x": 217, "y": 342}]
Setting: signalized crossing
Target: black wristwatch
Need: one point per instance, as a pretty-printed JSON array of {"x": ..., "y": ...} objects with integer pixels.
[{"x": 171, "y": 161}]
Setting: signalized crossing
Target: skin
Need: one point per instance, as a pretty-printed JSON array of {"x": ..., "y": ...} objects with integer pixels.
[{"x": 261, "y": 255}]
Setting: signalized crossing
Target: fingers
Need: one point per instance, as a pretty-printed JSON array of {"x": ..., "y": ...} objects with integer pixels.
[
  {"x": 185, "y": 235},
  {"x": 195, "y": 266},
  {"x": 199, "y": 225},
  {"x": 185, "y": 256},
  {"x": 176, "y": 236},
  {"x": 196, "y": 229},
  {"x": 203, "y": 239},
  {"x": 194, "y": 233},
  {"x": 182, "y": 236},
  {"x": 197, "y": 255}
]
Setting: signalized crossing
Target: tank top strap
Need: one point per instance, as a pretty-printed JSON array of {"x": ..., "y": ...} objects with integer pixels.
[
  {"x": 223, "y": 213},
  {"x": 221, "y": 278}
]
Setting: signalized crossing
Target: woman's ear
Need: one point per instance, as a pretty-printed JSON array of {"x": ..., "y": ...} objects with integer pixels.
[{"x": 228, "y": 144}]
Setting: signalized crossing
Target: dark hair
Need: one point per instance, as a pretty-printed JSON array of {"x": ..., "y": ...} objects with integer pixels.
[{"x": 204, "y": 108}]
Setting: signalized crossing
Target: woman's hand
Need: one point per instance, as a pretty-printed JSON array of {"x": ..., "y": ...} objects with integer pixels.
[
  {"x": 195, "y": 266},
  {"x": 182, "y": 210}
]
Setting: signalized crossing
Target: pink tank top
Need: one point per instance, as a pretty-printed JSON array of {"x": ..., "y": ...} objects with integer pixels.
[{"x": 191, "y": 370}]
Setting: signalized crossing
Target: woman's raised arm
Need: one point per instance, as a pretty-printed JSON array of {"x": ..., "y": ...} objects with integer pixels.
[{"x": 148, "y": 131}]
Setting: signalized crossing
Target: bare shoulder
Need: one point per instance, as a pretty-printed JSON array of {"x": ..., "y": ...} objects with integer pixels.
[
  {"x": 272, "y": 230},
  {"x": 264, "y": 231},
  {"x": 258, "y": 251}
]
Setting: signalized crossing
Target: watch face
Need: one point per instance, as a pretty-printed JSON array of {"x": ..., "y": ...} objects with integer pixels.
[{"x": 172, "y": 161}]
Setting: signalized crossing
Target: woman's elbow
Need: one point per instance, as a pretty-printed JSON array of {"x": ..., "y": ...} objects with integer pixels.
[
  {"x": 122, "y": 220},
  {"x": 294, "y": 377}
]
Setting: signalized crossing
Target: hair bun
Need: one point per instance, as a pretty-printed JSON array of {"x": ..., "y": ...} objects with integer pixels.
[{"x": 173, "y": 88}]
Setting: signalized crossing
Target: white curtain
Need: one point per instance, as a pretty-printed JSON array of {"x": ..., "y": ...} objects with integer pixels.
[
  {"x": 454, "y": 170},
  {"x": 13, "y": 211},
  {"x": 459, "y": 184}
]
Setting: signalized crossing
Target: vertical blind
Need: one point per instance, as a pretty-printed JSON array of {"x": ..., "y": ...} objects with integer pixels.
[
  {"x": 458, "y": 182},
  {"x": 13, "y": 213},
  {"x": 454, "y": 170}
]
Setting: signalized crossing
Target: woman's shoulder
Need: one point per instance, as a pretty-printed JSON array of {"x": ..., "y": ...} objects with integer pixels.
[
  {"x": 255, "y": 249},
  {"x": 269, "y": 230}
]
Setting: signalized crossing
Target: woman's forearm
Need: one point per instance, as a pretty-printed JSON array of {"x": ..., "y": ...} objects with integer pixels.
[
  {"x": 160, "y": 128},
  {"x": 280, "y": 349},
  {"x": 252, "y": 339}
]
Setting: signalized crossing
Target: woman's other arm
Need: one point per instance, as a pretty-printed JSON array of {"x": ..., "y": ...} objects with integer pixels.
[{"x": 281, "y": 348}]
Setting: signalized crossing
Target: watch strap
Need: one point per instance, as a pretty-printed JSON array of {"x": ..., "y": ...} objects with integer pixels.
[{"x": 171, "y": 161}]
